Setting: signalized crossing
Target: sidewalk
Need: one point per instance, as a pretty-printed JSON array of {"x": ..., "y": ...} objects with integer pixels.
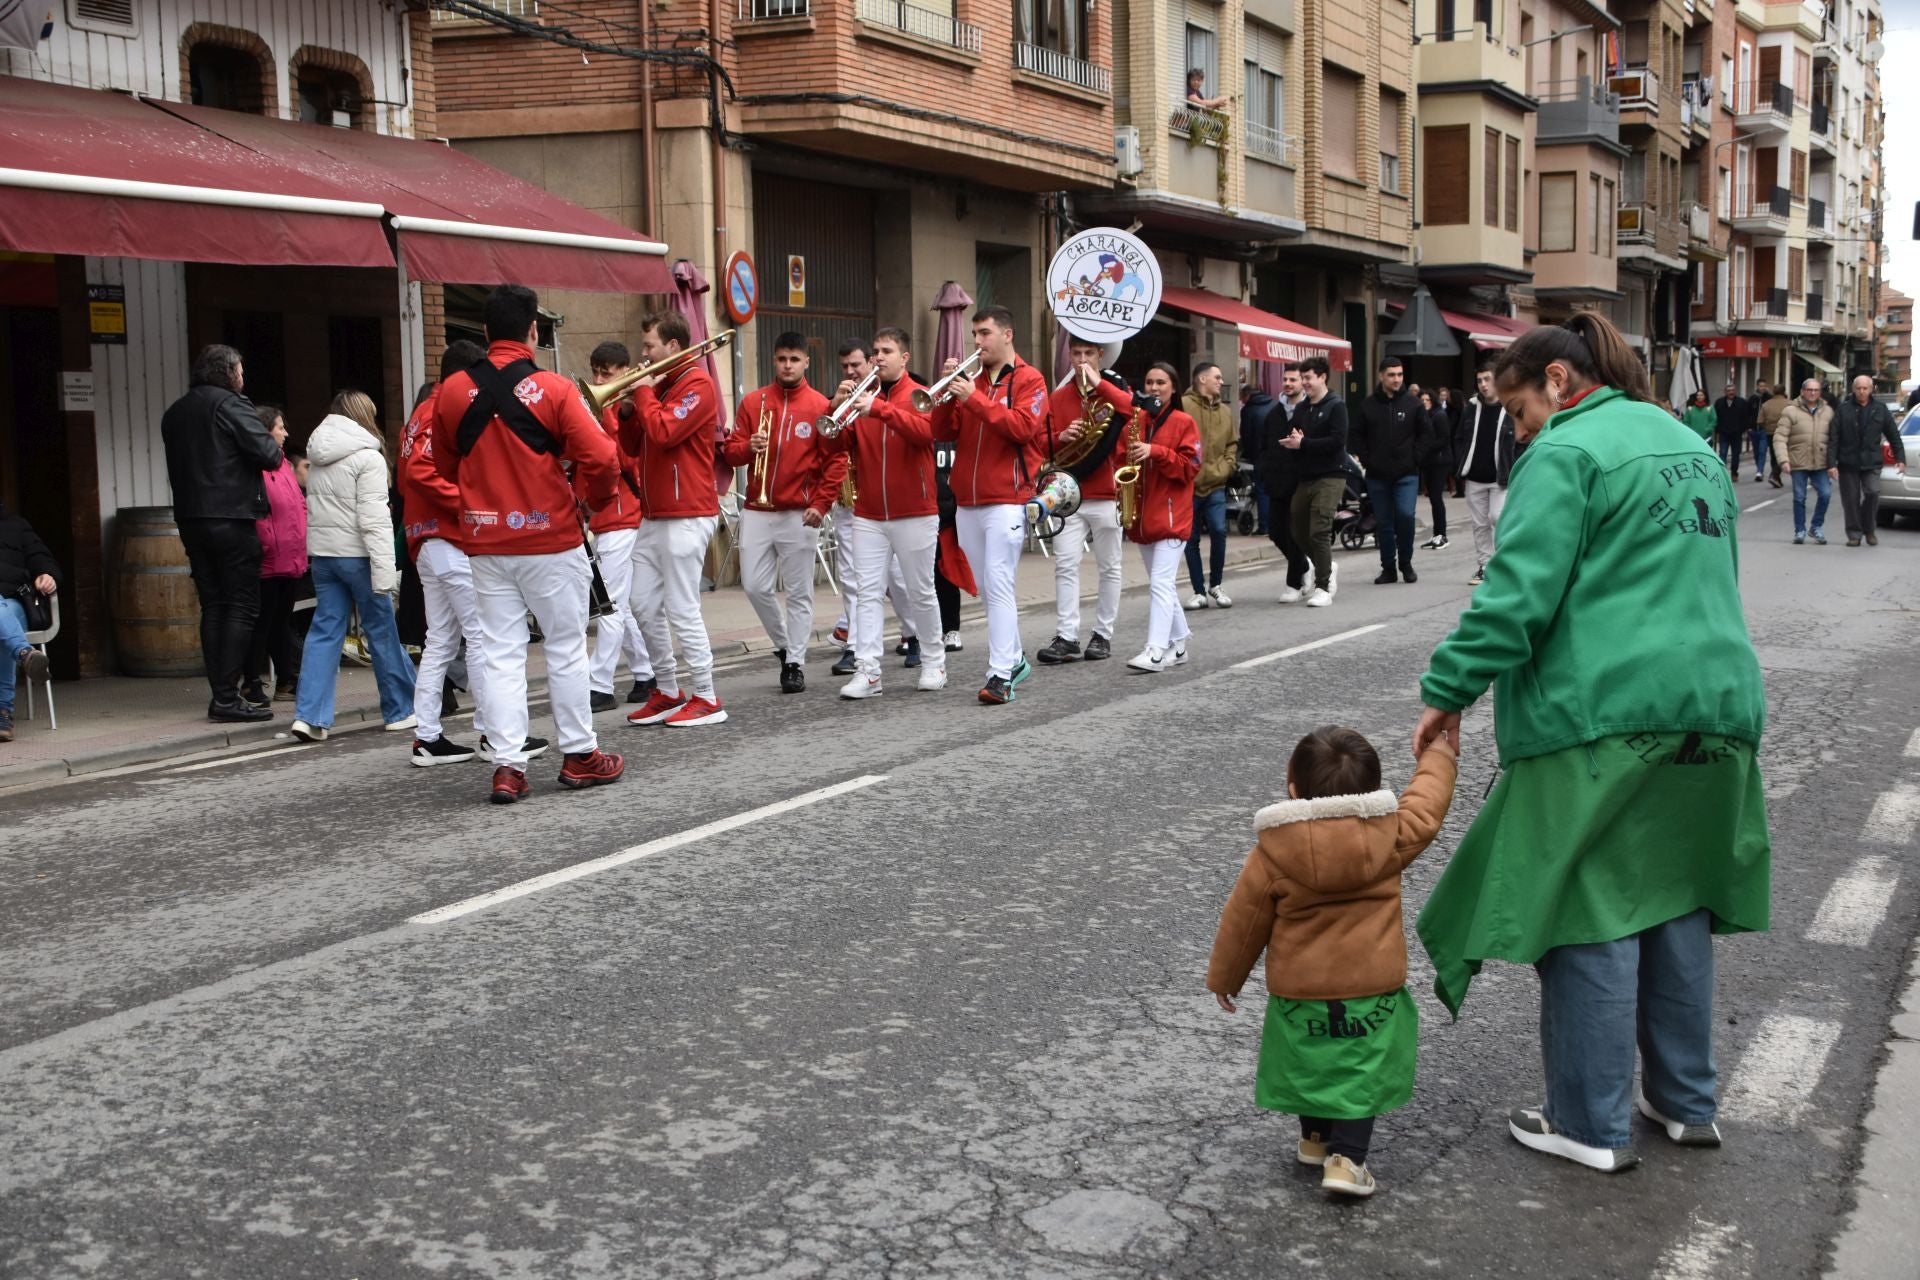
[{"x": 112, "y": 721}]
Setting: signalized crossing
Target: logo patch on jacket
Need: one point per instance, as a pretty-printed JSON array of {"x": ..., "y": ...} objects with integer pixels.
[
  {"x": 802, "y": 430},
  {"x": 516, "y": 520},
  {"x": 529, "y": 392},
  {"x": 1039, "y": 403},
  {"x": 686, "y": 404}
]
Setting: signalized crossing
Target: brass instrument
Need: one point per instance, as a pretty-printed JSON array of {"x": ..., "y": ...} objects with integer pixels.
[
  {"x": 831, "y": 425},
  {"x": 598, "y": 398},
  {"x": 765, "y": 456},
  {"x": 924, "y": 399},
  {"x": 847, "y": 490},
  {"x": 1126, "y": 479},
  {"x": 1095, "y": 414}
]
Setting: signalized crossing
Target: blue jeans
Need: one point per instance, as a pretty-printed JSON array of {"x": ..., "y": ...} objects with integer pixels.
[
  {"x": 1822, "y": 488},
  {"x": 1212, "y": 511},
  {"x": 1263, "y": 504},
  {"x": 1393, "y": 504},
  {"x": 13, "y": 638},
  {"x": 1729, "y": 447},
  {"x": 1598, "y": 1000},
  {"x": 1762, "y": 446},
  {"x": 340, "y": 584}
]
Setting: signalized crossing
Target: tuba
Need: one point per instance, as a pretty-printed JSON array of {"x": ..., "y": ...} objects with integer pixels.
[
  {"x": 1126, "y": 479},
  {"x": 1095, "y": 416}
]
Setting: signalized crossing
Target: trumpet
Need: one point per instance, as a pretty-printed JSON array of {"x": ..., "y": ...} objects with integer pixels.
[
  {"x": 925, "y": 398},
  {"x": 831, "y": 425},
  {"x": 598, "y": 398},
  {"x": 765, "y": 456}
]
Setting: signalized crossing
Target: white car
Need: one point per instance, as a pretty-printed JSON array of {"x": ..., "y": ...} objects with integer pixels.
[{"x": 1900, "y": 494}]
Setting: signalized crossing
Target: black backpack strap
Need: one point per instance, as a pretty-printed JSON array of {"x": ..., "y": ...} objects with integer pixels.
[{"x": 496, "y": 399}]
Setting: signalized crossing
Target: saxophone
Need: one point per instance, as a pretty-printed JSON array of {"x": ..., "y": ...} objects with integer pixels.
[
  {"x": 847, "y": 492},
  {"x": 1126, "y": 479}
]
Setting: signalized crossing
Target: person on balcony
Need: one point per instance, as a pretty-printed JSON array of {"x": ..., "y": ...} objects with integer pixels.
[{"x": 1197, "y": 92}]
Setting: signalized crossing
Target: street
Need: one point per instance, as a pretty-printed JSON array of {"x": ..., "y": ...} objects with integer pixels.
[{"x": 946, "y": 1019}]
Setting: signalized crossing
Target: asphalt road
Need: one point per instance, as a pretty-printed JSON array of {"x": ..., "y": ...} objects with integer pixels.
[{"x": 946, "y": 1021}]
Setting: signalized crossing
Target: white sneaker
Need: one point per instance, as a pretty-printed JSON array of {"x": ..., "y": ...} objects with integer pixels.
[
  {"x": 1221, "y": 600},
  {"x": 1530, "y": 1128},
  {"x": 1319, "y": 599},
  {"x": 1333, "y": 577},
  {"x": 1179, "y": 658},
  {"x": 865, "y": 683},
  {"x": 1150, "y": 660},
  {"x": 952, "y": 642},
  {"x": 1292, "y": 595},
  {"x": 401, "y": 726},
  {"x": 1686, "y": 1135},
  {"x": 309, "y": 732},
  {"x": 932, "y": 677},
  {"x": 1195, "y": 601}
]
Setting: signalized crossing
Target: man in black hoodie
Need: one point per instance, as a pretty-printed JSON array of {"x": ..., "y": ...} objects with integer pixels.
[
  {"x": 1255, "y": 407},
  {"x": 1387, "y": 441}
]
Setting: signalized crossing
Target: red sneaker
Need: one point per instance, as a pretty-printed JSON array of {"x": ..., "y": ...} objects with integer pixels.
[
  {"x": 594, "y": 769},
  {"x": 509, "y": 784},
  {"x": 657, "y": 707},
  {"x": 697, "y": 711}
]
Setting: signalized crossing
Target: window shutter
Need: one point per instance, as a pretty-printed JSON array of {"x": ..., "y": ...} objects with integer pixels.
[
  {"x": 1513, "y": 184},
  {"x": 1340, "y": 109},
  {"x": 1556, "y": 212},
  {"x": 1490, "y": 195},
  {"x": 1445, "y": 157}
]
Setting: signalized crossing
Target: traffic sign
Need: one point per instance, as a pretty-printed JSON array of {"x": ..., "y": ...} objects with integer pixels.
[{"x": 742, "y": 287}]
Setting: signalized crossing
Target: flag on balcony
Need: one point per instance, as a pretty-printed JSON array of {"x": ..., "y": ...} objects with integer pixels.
[{"x": 1615, "y": 63}]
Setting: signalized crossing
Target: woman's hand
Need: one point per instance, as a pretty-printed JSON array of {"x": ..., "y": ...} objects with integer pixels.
[
  {"x": 1436, "y": 725},
  {"x": 1226, "y": 1002},
  {"x": 44, "y": 584}
]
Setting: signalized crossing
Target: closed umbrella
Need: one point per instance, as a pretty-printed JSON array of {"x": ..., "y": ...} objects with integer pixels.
[{"x": 688, "y": 288}]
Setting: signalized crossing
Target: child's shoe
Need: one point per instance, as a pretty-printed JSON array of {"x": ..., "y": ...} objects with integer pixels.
[
  {"x": 1345, "y": 1178},
  {"x": 1312, "y": 1150}
]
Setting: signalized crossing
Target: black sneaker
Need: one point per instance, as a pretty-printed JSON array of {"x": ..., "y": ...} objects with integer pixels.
[
  {"x": 792, "y": 678},
  {"x": 598, "y": 701},
  {"x": 1436, "y": 542},
  {"x": 251, "y": 693},
  {"x": 1060, "y": 649},
  {"x": 911, "y": 651},
  {"x": 1479, "y": 576},
  {"x": 1386, "y": 576},
  {"x": 998, "y": 690},
  {"x": 642, "y": 689},
  {"x": 536, "y": 747},
  {"x": 846, "y": 666},
  {"x": 440, "y": 751},
  {"x": 1098, "y": 647},
  {"x": 907, "y": 645},
  {"x": 1408, "y": 575}
]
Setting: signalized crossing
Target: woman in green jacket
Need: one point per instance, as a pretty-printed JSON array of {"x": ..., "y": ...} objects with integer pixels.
[
  {"x": 1700, "y": 416},
  {"x": 1630, "y": 824}
]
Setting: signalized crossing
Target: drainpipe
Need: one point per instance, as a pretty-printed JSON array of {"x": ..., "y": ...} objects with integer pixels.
[
  {"x": 718, "y": 123},
  {"x": 648, "y": 216}
]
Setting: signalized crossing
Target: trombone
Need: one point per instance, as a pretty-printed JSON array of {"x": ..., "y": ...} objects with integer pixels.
[
  {"x": 598, "y": 398},
  {"x": 831, "y": 425},
  {"x": 925, "y": 398}
]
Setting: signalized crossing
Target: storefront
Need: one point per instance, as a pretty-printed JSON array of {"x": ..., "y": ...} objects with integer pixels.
[
  {"x": 1195, "y": 321},
  {"x": 1733, "y": 358}
]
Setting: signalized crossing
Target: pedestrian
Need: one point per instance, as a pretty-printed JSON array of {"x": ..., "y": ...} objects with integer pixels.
[
  {"x": 1387, "y": 442},
  {"x": 1320, "y": 894},
  {"x": 1319, "y": 432},
  {"x": 283, "y": 564},
  {"x": 350, "y": 543},
  {"x": 1853, "y": 454},
  {"x": 1733, "y": 418},
  {"x": 1484, "y": 450},
  {"x": 1077, "y": 438},
  {"x": 1163, "y": 442},
  {"x": 1800, "y": 447},
  {"x": 1629, "y": 824},
  {"x": 217, "y": 457},
  {"x": 26, "y": 567},
  {"x": 1219, "y": 459},
  {"x": 1766, "y": 426},
  {"x": 1436, "y": 467},
  {"x": 1699, "y": 416},
  {"x": 1279, "y": 472},
  {"x": 1256, "y": 407}
]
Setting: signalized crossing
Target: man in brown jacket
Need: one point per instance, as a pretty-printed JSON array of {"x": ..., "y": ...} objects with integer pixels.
[
  {"x": 1766, "y": 421},
  {"x": 1800, "y": 447},
  {"x": 1219, "y": 458}
]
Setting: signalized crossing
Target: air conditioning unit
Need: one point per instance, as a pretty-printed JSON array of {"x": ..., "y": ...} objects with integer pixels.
[{"x": 1126, "y": 151}]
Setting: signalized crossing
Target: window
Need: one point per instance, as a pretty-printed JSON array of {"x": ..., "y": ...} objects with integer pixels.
[
  {"x": 1726, "y": 81},
  {"x": 1556, "y": 213},
  {"x": 1490, "y": 196},
  {"x": 1390, "y": 142},
  {"x": 1699, "y": 275},
  {"x": 1802, "y": 75},
  {"x": 1340, "y": 100},
  {"x": 1059, "y": 25},
  {"x": 1445, "y": 160},
  {"x": 1798, "y": 170},
  {"x": 1593, "y": 213},
  {"x": 1513, "y": 184},
  {"x": 328, "y": 97},
  {"x": 1797, "y": 272},
  {"x": 227, "y": 78},
  {"x": 1203, "y": 50},
  {"x": 1725, "y": 193},
  {"x": 1265, "y": 105},
  {"x": 1607, "y": 207}
]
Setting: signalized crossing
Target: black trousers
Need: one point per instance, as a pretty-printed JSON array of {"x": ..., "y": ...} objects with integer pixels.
[
  {"x": 224, "y": 556},
  {"x": 273, "y": 633},
  {"x": 1280, "y": 530},
  {"x": 1435, "y": 478},
  {"x": 1349, "y": 1138}
]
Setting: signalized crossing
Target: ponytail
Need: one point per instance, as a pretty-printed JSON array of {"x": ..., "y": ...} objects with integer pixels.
[{"x": 1588, "y": 344}]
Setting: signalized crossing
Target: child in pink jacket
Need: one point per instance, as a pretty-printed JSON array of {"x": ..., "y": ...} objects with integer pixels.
[{"x": 283, "y": 563}]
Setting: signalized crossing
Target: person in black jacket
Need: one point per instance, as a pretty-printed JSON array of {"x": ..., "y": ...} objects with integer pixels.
[
  {"x": 25, "y": 563},
  {"x": 217, "y": 456},
  {"x": 1436, "y": 467},
  {"x": 1483, "y": 453},
  {"x": 1733, "y": 416},
  {"x": 1256, "y": 406},
  {"x": 1388, "y": 440},
  {"x": 1317, "y": 440},
  {"x": 1853, "y": 449}
]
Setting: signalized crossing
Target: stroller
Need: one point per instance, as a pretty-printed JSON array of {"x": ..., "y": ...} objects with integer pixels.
[
  {"x": 1243, "y": 507},
  {"x": 1353, "y": 520}
]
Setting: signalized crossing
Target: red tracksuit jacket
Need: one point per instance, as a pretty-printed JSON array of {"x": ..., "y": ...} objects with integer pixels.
[
  {"x": 1063, "y": 408},
  {"x": 672, "y": 436},
  {"x": 622, "y": 511},
  {"x": 803, "y": 471},
  {"x": 1166, "y": 477},
  {"x": 513, "y": 501},
  {"x": 429, "y": 501},
  {"x": 892, "y": 451},
  {"x": 1001, "y": 434}
]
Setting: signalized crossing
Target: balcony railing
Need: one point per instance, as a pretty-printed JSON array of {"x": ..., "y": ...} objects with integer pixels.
[
  {"x": 926, "y": 24},
  {"x": 1771, "y": 99},
  {"x": 1821, "y": 119},
  {"x": 1269, "y": 143},
  {"x": 1633, "y": 223},
  {"x": 1816, "y": 307},
  {"x": 1752, "y": 303},
  {"x": 1816, "y": 217},
  {"x": 1763, "y": 202},
  {"x": 1580, "y": 108},
  {"x": 1699, "y": 224},
  {"x": 1197, "y": 124},
  {"x": 512, "y": 8},
  {"x": 770, "y": 10},
  {"x": 1638, "y": 89},
  {"x": 1064, "y": 67}
]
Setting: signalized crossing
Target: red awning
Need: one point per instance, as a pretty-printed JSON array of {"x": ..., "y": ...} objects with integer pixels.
[
  {"x": 1263, "y": 335},
  {"x": 1486, "y": 333}
]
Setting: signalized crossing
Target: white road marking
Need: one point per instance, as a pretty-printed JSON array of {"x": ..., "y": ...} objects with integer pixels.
[
  {"x": 1856, "y": 904},
  {"x": 251, "y": 755},
  {"x": 1895, "y": 814},
  {"x": 596, "y": 865},
  {"x": 1756, "y": 506},
  {"x": 1780, "y": 1069},
  {"x": 1700, "y": 1256},
  {"x": 1264, "y": 659},
  {"x": 1913, "y": 745}
]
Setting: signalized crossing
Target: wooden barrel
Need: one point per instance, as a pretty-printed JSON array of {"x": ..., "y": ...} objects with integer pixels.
[{"x": 156, "y": 611}]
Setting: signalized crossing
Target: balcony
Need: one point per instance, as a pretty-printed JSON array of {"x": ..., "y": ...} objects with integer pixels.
[
  {"x": 922, "y": 24},
  {"x": 1696, "y": 106},
  {"x": 1054, "y": 65},
  {"x": 1197, "y": 124},
  {"x": 1266, "y": 143},
  {"x": 1699, "y": 224},
  {"x": 1763, "y": 107},
  {"x": 1753, "y": 303},
  {"x": 1762, "y": 210},
  {"x": 1638, "y": 89},
  {"x": 1816, "y": 308},
  {"x": 1820, "y": 131},
  {"x": 1577, "y": 111},
  {"x": 772, "y": 10},
  {"x": 1642, "y": 231},
  {"x": 1481, "y": 59},
  {"x": 1817, "y": 224}
]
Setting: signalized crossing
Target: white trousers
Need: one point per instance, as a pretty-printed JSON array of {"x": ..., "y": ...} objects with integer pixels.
[
  {"x": 1100, "y": 521},
  {"x": 667, "y": 560},
  {"x": 1484, "y": 502},
  {"x": 453, "y": 616},
  {"x": 1166, "y": 620},
  {"x": 618, "y": 633},
  {"x": 992, "y": 538},
  {"x": 776, "y": 554},
  {"x": 905, "y": 547},
  {"x": 554, "y": 587},
  {"x": 846, "y": 570}
]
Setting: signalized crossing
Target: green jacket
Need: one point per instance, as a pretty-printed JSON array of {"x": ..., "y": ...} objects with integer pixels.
[
  {"x": 1612, "y": 605},
  {"x": 1701, "y": 419},
  {"x": 1219, "y": 442}
]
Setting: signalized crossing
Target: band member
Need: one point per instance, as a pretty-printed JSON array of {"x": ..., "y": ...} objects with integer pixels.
[
  {"x": 502, "y": 429},
  {"x": 1098, "y": 516},
  {"x": 998, "y": 421},
  {"x": 1164, "y": 443},
  {"x": 616, "y": 528},
  {"x": 896, "y": 518},
  {"x": 855, "y": 359},
  {"x": 792, "y": 478},
  {"x": 672, "y": 436}
]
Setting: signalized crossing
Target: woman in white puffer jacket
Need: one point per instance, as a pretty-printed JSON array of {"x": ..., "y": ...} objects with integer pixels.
[{"x": 350, "y": 545}]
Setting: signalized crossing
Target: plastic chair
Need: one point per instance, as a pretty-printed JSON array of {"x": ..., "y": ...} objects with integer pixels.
[
  {"x": 827, "y": 549},
  {"x": 38, "y": 640}
]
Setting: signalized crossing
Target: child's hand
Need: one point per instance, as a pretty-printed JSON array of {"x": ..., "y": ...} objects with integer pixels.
[
  {"x": 1436, "y": 726},
  {"x": 1226, "y": 1002}
]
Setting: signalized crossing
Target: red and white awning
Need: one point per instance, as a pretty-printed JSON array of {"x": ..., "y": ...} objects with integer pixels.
[{"x": 1263, "y": 335}]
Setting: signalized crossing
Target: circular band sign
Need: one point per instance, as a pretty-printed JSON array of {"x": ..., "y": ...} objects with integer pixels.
[
  {"x": 1103, "y": 285},
  {"x": 742, "y": 288}
]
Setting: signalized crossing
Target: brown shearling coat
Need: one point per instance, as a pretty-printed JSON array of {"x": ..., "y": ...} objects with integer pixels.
[{"x": 1320, "y": 893}]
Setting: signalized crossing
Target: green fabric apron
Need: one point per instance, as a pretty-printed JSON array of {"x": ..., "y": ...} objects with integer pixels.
[
  {"x": 1598, "y": 842},
  {"x": 1337, "y": 1059}
]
